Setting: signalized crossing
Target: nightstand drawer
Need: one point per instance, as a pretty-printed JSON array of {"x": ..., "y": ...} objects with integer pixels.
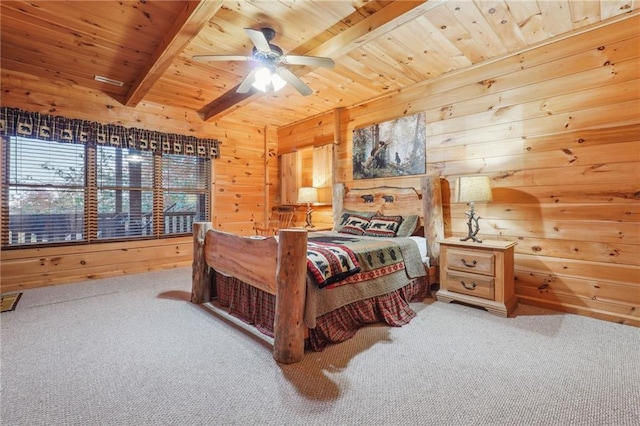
[
  {"x": 471, "y": 284},
  {"x": 476, "y": 262}
]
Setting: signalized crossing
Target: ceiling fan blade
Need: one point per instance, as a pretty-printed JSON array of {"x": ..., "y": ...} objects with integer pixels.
[
  {"x": 259, "y": 40},
  {"x": 293, "y": 79},
  {"x": 247, "y": 83},
  {"x": 314, "y": 61},
  {"x": 224, "y": 58}
]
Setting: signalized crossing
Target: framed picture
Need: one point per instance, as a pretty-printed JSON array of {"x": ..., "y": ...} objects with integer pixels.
[{"x": 392, "y": 148}]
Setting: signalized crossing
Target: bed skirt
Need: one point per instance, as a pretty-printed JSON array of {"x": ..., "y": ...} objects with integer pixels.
[{"x": 257, "y": 308}]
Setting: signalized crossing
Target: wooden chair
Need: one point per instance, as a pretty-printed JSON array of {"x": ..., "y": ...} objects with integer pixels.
[{"x": 281, "y": 217}]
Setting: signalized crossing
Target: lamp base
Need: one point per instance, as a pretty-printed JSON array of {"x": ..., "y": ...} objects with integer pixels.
[
  {"x": 308, "y": 219},
  {"x": 472, "y": 224},
  {"x": 472, "y": 238}
]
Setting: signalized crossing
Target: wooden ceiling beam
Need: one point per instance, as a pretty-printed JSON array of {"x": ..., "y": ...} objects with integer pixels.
[
  {"x": 392, "y": 16},
  {"x": 386, "y": 19},
  {"x": 194, "y": 16}
]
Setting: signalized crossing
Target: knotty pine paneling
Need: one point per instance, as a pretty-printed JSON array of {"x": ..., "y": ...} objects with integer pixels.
[
  {"x": 312, "y": 132},
  {"x": 556, "y": 127},
  {"x": 240, "y": 179},
  {"x": 38, "y": 267},
  {"x": 272, "y": 176},
  {"x": 49, "y": 97},
  {"x": 465, "y": 85}
]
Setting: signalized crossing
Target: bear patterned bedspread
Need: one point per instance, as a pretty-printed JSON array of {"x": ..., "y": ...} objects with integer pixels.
[
  {"x": 385, "y": 265},
  {"x": 329, "y": 263}
]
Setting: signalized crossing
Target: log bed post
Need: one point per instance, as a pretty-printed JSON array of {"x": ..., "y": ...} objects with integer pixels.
[
  {"x": 291, "y": 276},
  {"x": 434, "y": 218},
  {"x": 201, "y": 273}
]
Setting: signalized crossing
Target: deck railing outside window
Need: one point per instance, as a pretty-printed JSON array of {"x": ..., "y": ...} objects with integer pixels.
[{"x": 33, "y": 229}]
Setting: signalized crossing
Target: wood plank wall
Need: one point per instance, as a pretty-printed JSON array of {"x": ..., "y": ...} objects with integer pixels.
[
  {"x": 557, "y": 128},
  {"x": 39, "y": 267},
  {"x": 315, "y": 131},
  {"x": 239, "y": 178}
]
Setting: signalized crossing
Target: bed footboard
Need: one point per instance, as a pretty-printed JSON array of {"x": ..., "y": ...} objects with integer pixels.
[{"x": 277, "y": 268}]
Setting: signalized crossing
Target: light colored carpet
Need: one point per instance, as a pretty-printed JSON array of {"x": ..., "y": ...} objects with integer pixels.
[{"x": 135, "y": 351}]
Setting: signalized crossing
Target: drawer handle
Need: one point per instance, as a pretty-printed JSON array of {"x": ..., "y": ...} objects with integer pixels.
[
  {"x": 471, "y": 287},
  {"x": 469, "y": 265}
]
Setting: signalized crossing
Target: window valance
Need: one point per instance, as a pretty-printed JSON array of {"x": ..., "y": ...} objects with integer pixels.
[{"x": 16, "y": 122}]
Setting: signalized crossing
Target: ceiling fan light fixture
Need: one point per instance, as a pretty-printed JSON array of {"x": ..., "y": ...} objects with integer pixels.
[
  {"x": 262, "y": 79},
  {"x": 277, "y": 82},
  {"x": 266, "y": 80},
  {"x": 271, "y": 74}
]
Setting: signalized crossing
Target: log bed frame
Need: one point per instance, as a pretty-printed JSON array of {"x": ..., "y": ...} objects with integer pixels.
[{"x": 281, "y": 268}]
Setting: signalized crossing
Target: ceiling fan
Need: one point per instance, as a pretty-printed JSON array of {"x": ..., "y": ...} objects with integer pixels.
[{"x": 271, "y": 74}]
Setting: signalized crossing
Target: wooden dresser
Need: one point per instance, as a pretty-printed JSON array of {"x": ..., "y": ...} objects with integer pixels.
[{"x": 479, "y": 274}]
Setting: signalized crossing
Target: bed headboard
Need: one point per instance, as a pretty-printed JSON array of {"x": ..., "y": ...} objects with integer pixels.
[
  {"x": 391, "y": 201},
  {"x": 387, "y": 200}
]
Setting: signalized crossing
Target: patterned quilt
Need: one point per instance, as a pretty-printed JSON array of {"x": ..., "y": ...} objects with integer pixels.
[
  {"x": 386, "y": 264},
  {"x": 329, "y": 263}
]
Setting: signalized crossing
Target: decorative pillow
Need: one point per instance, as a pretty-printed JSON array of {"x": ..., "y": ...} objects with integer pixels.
[
  {"x": 347, "y": 213},
  {"x": 407, "y": 226},
  {"x": 383, "y": 226},
  {"x": 355, "y": 225}
]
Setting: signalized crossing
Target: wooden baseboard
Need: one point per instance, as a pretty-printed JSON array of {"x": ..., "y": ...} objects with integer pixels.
[{"x": 581, "y": 310}]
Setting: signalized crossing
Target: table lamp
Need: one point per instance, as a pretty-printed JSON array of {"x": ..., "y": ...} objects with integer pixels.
[
  {"x": 470, "y": 190},
  {"x": 308, "y": 195}
]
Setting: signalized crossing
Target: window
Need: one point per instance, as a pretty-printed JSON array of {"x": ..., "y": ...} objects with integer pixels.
[
  {"x": 44, "y": 190},
  {"x": 185, "y": 186},
  {"x": 58, "y": 193},
  {"x": 124, "y": 180}
]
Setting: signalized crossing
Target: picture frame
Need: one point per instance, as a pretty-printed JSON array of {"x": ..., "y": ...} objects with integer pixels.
[{"x": 391, "y": 148}]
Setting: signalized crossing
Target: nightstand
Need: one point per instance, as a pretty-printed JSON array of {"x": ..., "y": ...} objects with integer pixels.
[{"x": 479, "y": 274}]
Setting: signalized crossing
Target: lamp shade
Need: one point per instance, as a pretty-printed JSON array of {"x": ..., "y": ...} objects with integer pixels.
[
  {"x": 266, "y": 80},
  {"x": 307, "y": 194},
  {"x": 474, "y": 188}
]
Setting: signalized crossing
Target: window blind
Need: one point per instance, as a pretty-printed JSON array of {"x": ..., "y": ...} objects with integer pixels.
[
  {"x": 44, "y": 192},
  {"x": 60, "y": 193}
]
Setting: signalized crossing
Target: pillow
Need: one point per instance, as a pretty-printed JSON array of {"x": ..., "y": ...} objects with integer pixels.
[
  {"x": 355, "y": 224},
  {"x": 383, "y": 226},
  {"x": 407, "y": 226},
  {"x": 347, "y": 213}
]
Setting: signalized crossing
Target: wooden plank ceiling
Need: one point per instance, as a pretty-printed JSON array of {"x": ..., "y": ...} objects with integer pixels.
[{"x": 378, "y": 46}]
